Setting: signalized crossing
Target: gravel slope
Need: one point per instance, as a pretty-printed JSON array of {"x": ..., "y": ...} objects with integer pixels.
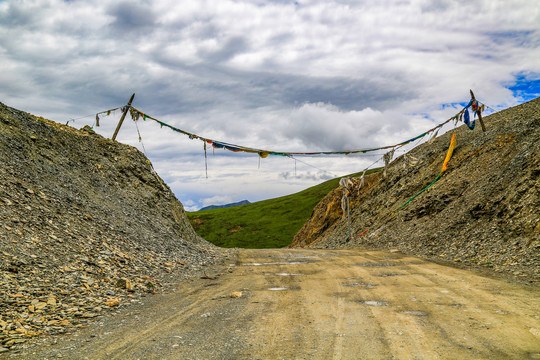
[
  {"x": 85, "y": 227},
  {"x": 483, "y": 211}
]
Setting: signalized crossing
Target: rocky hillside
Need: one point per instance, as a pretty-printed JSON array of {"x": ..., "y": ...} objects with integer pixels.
[
  {"x": 85, "y": 226},
  {"x": 484, "y": 210}
]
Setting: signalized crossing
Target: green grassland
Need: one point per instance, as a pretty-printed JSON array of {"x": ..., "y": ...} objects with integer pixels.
[{"x": 265, "y": 224}]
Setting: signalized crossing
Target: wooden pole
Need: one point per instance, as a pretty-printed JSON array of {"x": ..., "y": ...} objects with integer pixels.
[
  {"x": 123, "y": 117},
  {"x": 479, "y": 114}
]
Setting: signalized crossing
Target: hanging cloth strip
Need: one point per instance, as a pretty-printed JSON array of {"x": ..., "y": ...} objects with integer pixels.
[
  {"x": 453, "y": 144},
  {"x": 433, "y": 137},
  {"x": 387, "y": 158},
  {"x": 362, "y": 178},
  {"x": 449, "y": 153},
  {"x": 466, "y": 120},
  {"x": 205, "y": 161},
  {"x": 347, "y": 184}
]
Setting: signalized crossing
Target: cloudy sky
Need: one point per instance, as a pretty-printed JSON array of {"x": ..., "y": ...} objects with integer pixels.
[{"x": 306, "y": 75}]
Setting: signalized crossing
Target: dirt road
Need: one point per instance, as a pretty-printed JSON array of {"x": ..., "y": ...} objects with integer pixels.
[{"x": 314, "y": 304}]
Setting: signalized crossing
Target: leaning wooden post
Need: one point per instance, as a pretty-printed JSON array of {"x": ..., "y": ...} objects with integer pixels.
[
  {"x": 479, "y": 114},
  {"x": 123, "y": 117}
]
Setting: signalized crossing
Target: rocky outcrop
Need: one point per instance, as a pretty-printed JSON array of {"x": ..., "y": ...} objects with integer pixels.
[
  {"x": 484, "y": 210},
  {"x": 85, "y": 225}
]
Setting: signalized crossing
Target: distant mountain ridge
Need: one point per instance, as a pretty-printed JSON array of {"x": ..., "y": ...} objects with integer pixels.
[{"x": 212, "y": 207}]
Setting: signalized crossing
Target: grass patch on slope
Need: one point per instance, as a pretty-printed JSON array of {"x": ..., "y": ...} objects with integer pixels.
[{"x": 264, "y": 224}]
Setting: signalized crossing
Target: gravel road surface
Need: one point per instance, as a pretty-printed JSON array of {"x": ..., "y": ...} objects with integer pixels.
[{"x": 318, "y": 304}]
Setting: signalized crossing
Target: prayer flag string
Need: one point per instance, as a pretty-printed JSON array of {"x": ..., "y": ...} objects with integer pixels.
[{"x": 216, "y": 144}]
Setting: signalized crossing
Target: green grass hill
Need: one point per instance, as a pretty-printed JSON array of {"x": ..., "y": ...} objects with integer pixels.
[{"x": 265, "y": 224}]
